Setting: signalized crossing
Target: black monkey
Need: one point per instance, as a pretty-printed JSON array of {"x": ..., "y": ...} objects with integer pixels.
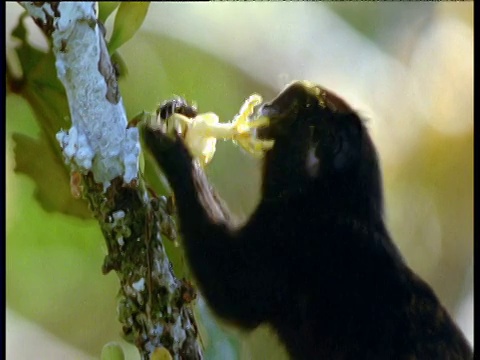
[{"x": 315, "y": 260}]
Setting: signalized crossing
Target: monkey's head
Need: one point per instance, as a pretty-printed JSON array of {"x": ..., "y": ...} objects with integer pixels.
[{"x": 322, "y": 150}]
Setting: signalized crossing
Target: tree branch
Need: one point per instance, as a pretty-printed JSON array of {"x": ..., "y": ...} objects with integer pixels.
[{"x": 104, "y": 158}]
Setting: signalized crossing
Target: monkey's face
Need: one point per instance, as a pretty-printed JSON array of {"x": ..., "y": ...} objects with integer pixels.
[{"x": 320, "y": 143}]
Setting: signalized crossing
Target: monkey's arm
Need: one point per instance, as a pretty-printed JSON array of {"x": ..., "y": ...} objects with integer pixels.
[{"x": 228, "y": 266}]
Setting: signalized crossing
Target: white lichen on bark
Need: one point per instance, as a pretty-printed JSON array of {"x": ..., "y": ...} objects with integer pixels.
[{"x": 98, "y": 140}]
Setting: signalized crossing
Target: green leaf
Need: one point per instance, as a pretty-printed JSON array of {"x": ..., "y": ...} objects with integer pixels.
[
  {"x": 120, "y": 65},
  {"x": 36, "y": 159},
  {"x": 28, "y": 56},
  {"x": 161, "y": 354},
  {"x": 42, "y": 160},
  {"x": 40, "y": 85},
  {"x": 112, "y": 351},
  {"x": 129, "y": 18},
  {"x": 20, "y": 32},
  {"x": 105, "y": 9}
]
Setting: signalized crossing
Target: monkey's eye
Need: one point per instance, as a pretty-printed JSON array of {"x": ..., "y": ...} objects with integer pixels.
[
  {"x": 335, "y": 146},
  {"x": 337, "y": 142},
  {"x": 341, "y": 152},
  {"x": 347, "y": 149},
  {"x": 328, "y": 140}
]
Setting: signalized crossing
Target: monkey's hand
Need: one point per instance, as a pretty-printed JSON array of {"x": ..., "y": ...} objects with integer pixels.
[
  {"x": 170, "y": 153},
  {"x": 185, "y": 174}
]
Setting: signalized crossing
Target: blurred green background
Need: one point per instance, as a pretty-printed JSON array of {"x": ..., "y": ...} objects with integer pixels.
[{"x": 407, "y": 67}]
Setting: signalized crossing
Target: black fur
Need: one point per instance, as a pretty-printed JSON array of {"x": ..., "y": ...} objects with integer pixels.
[{"x": 315, "y": 260}]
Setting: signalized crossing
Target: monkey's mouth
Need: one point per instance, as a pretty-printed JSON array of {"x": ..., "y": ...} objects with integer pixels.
[
  {"x": 279, "y": 114},
  {"x": 297, "y": 102},
  {"x": 272, "y": 115},
  {"x": 294, "y": 101}
]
